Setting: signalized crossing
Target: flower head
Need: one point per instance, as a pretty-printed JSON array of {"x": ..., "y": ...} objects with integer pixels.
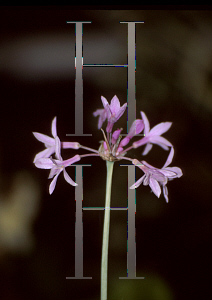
[
  {"x": 112, "y": 149},
  {"x": 57, "y": 165},
  {"x": 153, "y": 136},
  {"x": 155, "y": 177}
]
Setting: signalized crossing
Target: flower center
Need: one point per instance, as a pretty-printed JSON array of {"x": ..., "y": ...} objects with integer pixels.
[{"x": 108, "y": 154}]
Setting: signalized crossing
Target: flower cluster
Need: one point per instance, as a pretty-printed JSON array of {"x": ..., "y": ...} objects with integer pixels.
[{"x": 113, "y": 148}]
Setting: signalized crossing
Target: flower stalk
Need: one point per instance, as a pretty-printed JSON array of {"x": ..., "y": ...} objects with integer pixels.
[
  {"x": 111, "y": 149},
  {"x": 106, "y": 228}
]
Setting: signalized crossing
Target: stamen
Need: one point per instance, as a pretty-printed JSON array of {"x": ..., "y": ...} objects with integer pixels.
[
  {"x": 115, "y": 147},
  {"x": 106, "y": 141}
]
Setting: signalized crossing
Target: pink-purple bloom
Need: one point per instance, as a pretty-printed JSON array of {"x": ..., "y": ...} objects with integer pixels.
[
  {"x": 57, "y": 165},
  {"x": 112, "y": 148},
  {"x": 157, "y": 177},
  {"x": 50, "y": 143},
  {"x": 153, "y": 136},
  {"x": 112, "y": 112}
]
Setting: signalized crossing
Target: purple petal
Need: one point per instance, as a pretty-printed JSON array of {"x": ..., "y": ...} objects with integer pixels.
[
  {"x": 121, "y": 111},
  {"x": 68, "y": 178},
  {"x": 104, "y": 102},
  {"x": 44, "y": 139},
  {"x": 178, "y": 172},
  {"x": 71, "y": 161},
  {"x": 45, "y": 153},
  {"x": 53, "y": 184},
  {"x": 58, "y": 148},
  {"x": 102, "y": 118},
  {"x": 165, "y": 193},
  {"x": 170, "y": 157},
  {"x": 146, "y": 179},
  {"x": 125, "y": 141},
  {"x": 115, "y": 105},
  {"x": 120, "y": 149},
  {"x": 167, "y": 173},
  {"x": 109, "y": 127},
  {"x": 147, "y": 149},
  {"x": 102, "y": 113},
  {"x": 158, "y": 175},
  {"x": 160, "y": 128},
  {"x": 137, "y": 183},
  {"x": 146, "y": 123},
  {"x": 44, "y": 163},
  {"x": 55, "y": 170},
  {"x": 54, "y": 128},
  {"x": 136, "y": 127},
  {"x": 155, "y": 186},
  {"x": 115, "y": 135},
  {"x": 160, "y": 141},
  {"x": 98, "y": 112}
]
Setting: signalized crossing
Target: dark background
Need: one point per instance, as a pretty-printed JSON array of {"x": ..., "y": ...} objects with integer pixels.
[{"x": 173, "y": 83}]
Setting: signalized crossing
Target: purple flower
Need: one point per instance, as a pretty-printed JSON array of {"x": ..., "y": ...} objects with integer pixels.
[
  {"x": 112, "y": 112},
  {"x": 153, "y": 136},
  {"x": 57, "y": 165},
  {"x": 50, "y": 142},
  {"x": 155, "y": 177}
]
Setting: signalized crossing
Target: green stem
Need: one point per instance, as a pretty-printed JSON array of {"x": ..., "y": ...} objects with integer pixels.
[{"x": 106, "y": 228}]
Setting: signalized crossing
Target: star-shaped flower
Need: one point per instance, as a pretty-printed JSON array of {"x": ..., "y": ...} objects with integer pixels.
[
  {"x": 112, "y": 112},
  {"x": 57, "y": 165},
  {"x": 50, "y": 142},
  {"x": 153, "y": 136},
  {"x": 155, "y": 177}
]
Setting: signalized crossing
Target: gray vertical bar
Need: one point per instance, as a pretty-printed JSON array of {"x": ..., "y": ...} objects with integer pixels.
[
  {"x": 131, "y": 84},
  {"x": 131, "y": 241},
  {"x": 79, "y": 226},
  {"x": 131, "y": 259},
  {"x": 79, "y": 79},
  {"x": 131, "y": 79}
]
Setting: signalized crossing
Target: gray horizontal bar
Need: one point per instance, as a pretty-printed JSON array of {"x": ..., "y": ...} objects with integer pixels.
[
  {"x": 132, "y": 278},
  {"x": 79, "y": 21},
  {"x": 102, "y": 208},
  {"x": 84, "y": 134},
  {"x": 86, "y": 165},
  {"x": 78, "y": 278},
  {"x": 103, "y": 65},
  {"x": 131, "y": 21}
]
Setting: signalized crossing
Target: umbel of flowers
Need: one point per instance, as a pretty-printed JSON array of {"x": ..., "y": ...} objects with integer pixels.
[{"x": 113, "y": 148}]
